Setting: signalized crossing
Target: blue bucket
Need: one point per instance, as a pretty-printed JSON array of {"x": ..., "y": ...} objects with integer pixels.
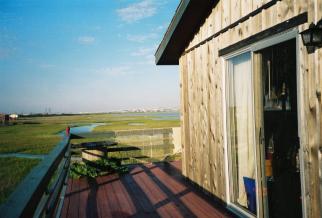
[{"x": 250, "y": 188}]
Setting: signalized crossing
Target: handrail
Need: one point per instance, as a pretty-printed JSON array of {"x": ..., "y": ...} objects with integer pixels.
[{"x": 39, "y": 193}]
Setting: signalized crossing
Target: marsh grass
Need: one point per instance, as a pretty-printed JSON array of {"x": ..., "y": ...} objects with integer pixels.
[
  {"x": 29, "y": 138},
  {"x": 145, "y": 123},
  {"x": 12, "y": 171},
  {"x": 39, "y": 135}
]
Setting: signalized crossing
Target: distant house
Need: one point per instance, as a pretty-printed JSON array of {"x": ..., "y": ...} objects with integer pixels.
[
  {"x": 13, "y": 116},
  {"x": 250, "y": 102},
  {"x": 4, "y": 118}
]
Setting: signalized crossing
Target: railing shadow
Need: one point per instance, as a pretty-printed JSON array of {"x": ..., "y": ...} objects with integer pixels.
[
  {"x": 91, "y": 206},
  {"x": 142, "y": 188}
]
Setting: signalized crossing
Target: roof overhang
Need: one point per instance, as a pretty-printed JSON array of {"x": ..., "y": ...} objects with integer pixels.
[{"x": 188, "y": 18}]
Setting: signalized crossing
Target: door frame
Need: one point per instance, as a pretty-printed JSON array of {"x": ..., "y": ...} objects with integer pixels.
[{"x": 270, "y": 41}]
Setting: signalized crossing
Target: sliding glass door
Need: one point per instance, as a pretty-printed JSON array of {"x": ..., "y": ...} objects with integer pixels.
[
  {"x": 262, "y": 132},
  {"x": 241, "y": 131}
]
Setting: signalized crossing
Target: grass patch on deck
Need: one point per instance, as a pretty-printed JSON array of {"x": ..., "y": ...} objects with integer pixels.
[
  {"x": 12, "y": 171},
  {"x": 97, "y": 168}
]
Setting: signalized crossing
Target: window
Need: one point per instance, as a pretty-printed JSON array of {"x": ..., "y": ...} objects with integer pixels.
[{"x": 241, "y": 143}]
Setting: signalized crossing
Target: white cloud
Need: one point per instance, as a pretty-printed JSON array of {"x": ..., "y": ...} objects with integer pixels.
[
  {"x": 154, "y": 33},
  {"x": 146, "y": 55},
  {"x": 149, "y": 60},
  {"x": 138, "y": 11},
  {"x": 86, "y": 40},
  {"x": 115, "y": 71},
  {"x": 141, "y": 38},
  {"x": 161, "y": 28},
  {"x": 143, "y": 52}
]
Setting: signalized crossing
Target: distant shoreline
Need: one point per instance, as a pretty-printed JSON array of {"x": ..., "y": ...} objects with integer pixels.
[{"x": 86, "y": 114}]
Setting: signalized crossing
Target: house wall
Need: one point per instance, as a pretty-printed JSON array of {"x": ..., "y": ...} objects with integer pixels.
[{"x": 201, "y": 86}]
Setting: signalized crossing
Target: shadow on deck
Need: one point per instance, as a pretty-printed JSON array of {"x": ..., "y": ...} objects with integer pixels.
[{"x": 151, "y": 190}]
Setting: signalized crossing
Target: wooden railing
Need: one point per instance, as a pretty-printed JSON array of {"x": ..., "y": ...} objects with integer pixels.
[{"x": 41, "y": 193}]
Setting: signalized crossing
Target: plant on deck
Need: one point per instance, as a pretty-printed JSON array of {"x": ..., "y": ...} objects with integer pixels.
[{"x": 97, "y": 168}]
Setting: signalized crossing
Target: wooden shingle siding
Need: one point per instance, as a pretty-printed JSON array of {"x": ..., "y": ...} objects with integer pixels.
[
  {"x": 202, "y": 74},
  {"x": 203, "y": 126},
  {"x": 228, "y": 11}
]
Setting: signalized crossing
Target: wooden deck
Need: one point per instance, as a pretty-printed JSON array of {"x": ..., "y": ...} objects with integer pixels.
[{"x": 151, "y": 190}]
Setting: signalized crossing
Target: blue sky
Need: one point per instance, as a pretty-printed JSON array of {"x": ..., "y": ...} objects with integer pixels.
[{"x": 84, "y": 55}]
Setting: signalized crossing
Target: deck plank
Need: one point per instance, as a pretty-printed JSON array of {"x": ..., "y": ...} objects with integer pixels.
[
  {"x": 193, "y": 199},
  {"x": 123, "y": 197},
  {"x": 142, "y": 204},
  {"x": 92, "y": 199},
  {"x": 174, "y": 186},
  {"x": 83, "y": 196},
  {"x": 64, "y": 212},
  {"x": 151, "y": 190},
  {"x": 115, "y": 205},
  {"x": 104, "y": 197},
  {"x": 74, "y": 200},
  {"x": 198, "y": 206}
]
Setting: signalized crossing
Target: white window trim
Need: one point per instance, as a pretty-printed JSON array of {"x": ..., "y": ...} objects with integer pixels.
[{"x": 270, "y": 41}]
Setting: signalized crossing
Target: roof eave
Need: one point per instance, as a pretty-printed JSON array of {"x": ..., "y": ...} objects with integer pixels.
[{"x": 189, "y": 15}]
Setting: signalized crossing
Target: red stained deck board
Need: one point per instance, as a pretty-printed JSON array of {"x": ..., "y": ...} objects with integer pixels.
[
  {"x": 136, "y": 170},
  {"x": 92, "y": 198},
  {"x": 83, "y": 196},
  {"x": 176, "y": 164},
  {"x": 169, "y": 210},
  {"x": 168, "y": 181},
  {"x": 123, "y": 197},
  {"x": 153, "y": 193},
  {"x": 65, "y": 208},
  {"x": 104, "y": 196},
  {"x": 142, "y": 203},
  {"x": 152, "y": 190},
  {"x": 116, "y": 206},
  {"x": 172, "y": 188},
  {"x": 74, "y": 198},
  {"x": 199, "y": 206}
]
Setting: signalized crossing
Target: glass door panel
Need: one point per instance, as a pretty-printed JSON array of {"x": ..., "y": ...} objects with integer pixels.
[
  {"x": 242, "y": 166},
  {"x": 277, "y": 101}
]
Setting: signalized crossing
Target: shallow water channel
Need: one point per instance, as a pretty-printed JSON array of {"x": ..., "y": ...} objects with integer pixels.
[{"x": 85, "y": 129}]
